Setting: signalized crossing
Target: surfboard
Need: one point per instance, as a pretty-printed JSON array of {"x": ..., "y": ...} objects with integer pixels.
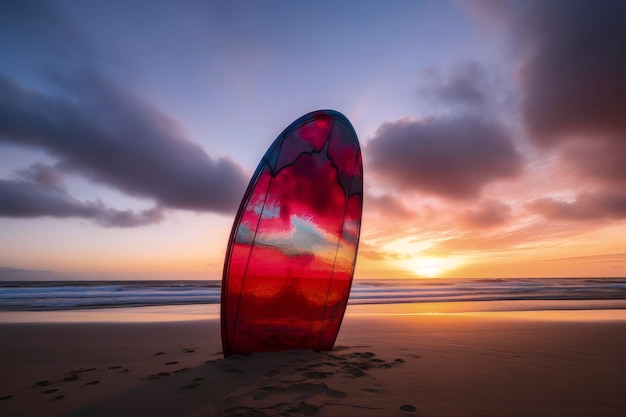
[{"x": 292, "y": 250}]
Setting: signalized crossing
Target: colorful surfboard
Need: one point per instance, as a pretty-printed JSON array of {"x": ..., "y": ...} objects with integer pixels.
[{"x": 292, "y": 249}]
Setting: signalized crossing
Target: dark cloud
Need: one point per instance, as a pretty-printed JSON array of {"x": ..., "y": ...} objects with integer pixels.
[
  {"x": 42, "y": 174},
  {"x": 572, "y": 74},
  {"x": 36, "y": 36},
  {"x": 95, "y": 127},
  {"x": 453, "y": 158},
  {"x": 489, "y": 213},
  {"x": 107, "y": 134},
  {"x": 573, "y": 66},
  {"x": 463, "y": 84},
  {"x": 39, "y": 192},
  {"x": 586, "y": 206}
]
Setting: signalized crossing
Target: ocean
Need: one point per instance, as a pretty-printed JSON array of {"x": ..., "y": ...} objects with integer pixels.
[{"x": 78, "y": 295}]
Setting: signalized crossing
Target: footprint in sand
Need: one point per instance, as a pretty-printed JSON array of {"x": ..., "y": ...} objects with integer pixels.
[
  {"x": 159, "y": 353},
  {"x": 190, "y": 386},
  {"x": 308, "y": 387},
  {"x": 354, "y": 364},
  {"x": 164, "y": 374},
  {"x": 58, "y": 397},
  {"x": 43, "y": 383},
  {"x": 115, "y": 367},
  {"x": 172, "y": 363},
  {"x": 70, "y": 377},
  {"x": 96, "y": 382},
  {"x": 6, "y": 397},
  {"x": 340, "y": 348},
  {"x": 355, "y": 372},
  {"x": 49, "y": 391},
  {"x": 408, "y": 408},
  {"x": 82, "y": 370},
  {"x": 317, "y": 374}
]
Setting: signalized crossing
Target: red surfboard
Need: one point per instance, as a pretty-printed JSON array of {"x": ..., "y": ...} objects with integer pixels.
[{"x": 292, "y": 249}]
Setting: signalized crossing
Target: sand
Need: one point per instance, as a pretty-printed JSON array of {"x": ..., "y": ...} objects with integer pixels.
[{"x": 386, "y": 363}]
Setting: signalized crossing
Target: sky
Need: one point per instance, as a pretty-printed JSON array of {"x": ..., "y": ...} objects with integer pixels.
[{"x": 493, "y": 132}]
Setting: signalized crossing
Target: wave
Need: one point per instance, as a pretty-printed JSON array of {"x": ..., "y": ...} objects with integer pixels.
[{"x": 65, "y": 295}]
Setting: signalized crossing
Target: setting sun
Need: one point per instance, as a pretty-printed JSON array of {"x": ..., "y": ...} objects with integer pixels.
[{"x": 430, "y": 267}]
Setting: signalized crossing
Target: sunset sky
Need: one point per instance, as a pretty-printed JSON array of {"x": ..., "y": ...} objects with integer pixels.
[{"x": 493, "y": 132}]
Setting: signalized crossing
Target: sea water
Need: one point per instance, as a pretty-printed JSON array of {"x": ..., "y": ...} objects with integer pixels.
[{"x": 75, "y": 295}]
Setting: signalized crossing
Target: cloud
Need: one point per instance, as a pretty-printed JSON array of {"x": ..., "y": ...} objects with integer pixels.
[
  {"x": 601, "y": 160},
  {"x": 570, "y": 72},
  {"x": 489, "y": 213},
  {"x": 9, "y": 273},
  {"x": 42, "y": 174},
  {"x": 464, "y": 84},
  {"x": 572, "y": 67},
  {"x": 101, "y": 131},
  {"x": 39, "y": 192},
  {"x": 449, "y": 157},
  {"x": 94, "y": 126},
  {"x": 603, "y": 258},
  {"x": 587, "y": 206},
  {"x": 12, "y": 270},
  {"x": 35, "y": 34},
  {"x": 488, "y": 242},
  {"x": 368, "y": 251},
  {"x": 374, "y": 253},
  {"x": 571, "y": 63},
  {"x": 388, "y": 205}
]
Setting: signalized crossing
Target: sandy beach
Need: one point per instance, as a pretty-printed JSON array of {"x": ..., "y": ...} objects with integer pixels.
[{"x": 388, "y": 361}]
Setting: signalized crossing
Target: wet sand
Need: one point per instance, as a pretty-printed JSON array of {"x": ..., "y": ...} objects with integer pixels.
[{"x": 388, "y": 361}]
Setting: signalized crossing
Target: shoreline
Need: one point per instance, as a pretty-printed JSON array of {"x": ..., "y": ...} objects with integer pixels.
[
  {"x": 584, "y": 310},
  {"x": 103, "y": 295}
]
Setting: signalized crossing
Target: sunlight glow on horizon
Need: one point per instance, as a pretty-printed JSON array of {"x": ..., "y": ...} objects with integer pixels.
[{"x": 430, "y": 267}]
